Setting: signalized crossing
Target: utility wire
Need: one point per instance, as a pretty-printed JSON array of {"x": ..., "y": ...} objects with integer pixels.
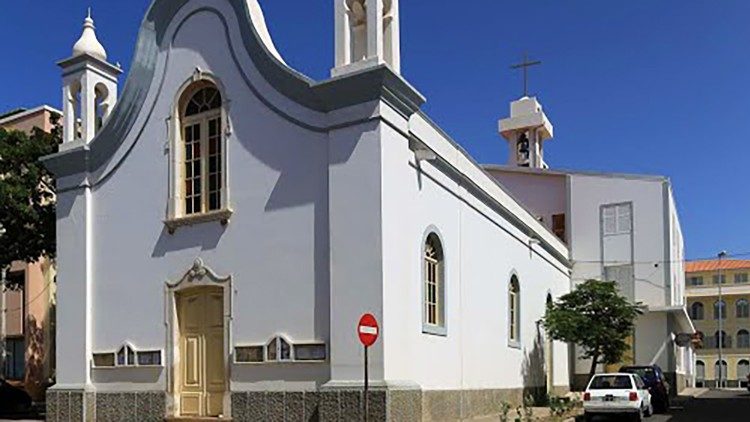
[{"x": 676, "y": 261}]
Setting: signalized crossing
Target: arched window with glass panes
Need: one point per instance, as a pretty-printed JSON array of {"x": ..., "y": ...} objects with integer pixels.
[
  {"x": 743, "y": 339},
  {"x": 742, "y": 308},
  {"x": 696, "y": 311},
  {"x": 514, "y": 311},
  {"x": 433, "y": 286},
  {"x": 201, "y": 149},
  {"x": 720, "y": 309}
]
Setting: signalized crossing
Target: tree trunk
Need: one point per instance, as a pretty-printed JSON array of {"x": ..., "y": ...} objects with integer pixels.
[{"x": 592, "y": 371}]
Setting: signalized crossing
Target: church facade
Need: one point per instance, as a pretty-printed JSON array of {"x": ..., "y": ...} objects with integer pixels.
[{"x": 224, "y": 222}]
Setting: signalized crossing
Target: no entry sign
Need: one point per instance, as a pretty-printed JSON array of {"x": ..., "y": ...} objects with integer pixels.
[{"x": 368, "y": 330}]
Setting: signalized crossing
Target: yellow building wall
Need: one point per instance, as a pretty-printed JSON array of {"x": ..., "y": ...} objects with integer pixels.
[{"x": 707, "y": 294}]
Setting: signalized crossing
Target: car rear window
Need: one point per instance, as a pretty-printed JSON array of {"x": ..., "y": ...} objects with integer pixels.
[
  {"x": 611, "y": 382},
  {"x": 645, "y": 373}
]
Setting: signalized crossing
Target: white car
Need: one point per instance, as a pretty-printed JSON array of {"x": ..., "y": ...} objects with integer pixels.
[{"x": 617, "y": 394}]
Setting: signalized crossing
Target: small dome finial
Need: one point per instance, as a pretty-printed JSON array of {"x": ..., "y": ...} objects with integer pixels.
[{"x": 88, "y": 43}]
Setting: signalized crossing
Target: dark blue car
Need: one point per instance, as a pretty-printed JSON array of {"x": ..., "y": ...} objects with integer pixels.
[{"x": 657, "y": 384}]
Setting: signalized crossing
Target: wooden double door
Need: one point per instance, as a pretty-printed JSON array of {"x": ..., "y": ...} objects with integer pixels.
[{"x": 202, "y": 373}]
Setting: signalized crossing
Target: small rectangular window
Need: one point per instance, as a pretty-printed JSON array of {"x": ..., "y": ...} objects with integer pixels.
[
  {"x": 248, "y": 354},
  {"x": 558, "y": 226},
  {"x": 741, "y": 278},
  {"x": 149, "y": 358},
  {"x": 310, "y": 352},
  {"x": 723, "y": 279},
  {"x": 103, "y": 360},
  {"x": 696, "y": 281}
]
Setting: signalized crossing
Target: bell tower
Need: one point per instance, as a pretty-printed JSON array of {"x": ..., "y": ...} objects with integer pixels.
[
  {"x": 526, "y": 130},
  {"x": 89, "y": 87},
  {"x": 367, "y": 35}
]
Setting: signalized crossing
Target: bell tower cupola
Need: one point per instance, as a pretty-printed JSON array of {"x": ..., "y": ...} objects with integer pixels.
[
  {"x": 367, "y": 35},
  {"x": 526, "y": 130},
  {"x": 89, "y": 87},
  {"x": 528, "y": 127}
]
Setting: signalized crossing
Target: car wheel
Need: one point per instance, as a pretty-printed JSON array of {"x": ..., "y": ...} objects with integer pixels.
[{"x": 588, "y": 417}]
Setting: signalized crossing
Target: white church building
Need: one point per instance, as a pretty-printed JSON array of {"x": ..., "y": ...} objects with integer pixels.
[
  {"x": 619, "y": 227},
  {"x": 225, "y": 220}
]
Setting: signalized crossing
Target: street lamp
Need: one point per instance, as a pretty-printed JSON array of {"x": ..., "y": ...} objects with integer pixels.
[{"x": 722, "y": 255}]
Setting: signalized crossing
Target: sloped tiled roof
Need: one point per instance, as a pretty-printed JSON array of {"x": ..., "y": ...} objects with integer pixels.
[{"x": 713, "y": 265}]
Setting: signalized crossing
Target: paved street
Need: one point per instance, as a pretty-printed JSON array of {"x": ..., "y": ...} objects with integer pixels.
[
  {"x": 716, "y": 405},
  {"x": 713, "y": 406}
]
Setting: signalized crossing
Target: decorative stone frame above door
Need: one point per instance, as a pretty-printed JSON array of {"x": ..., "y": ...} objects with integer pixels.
[{"x": 199, "y": 275}]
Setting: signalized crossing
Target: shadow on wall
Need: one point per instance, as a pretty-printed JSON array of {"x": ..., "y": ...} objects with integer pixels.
[{"x": 533, "y": 371}]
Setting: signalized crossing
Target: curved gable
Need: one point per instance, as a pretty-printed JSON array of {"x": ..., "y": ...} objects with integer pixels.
[{"x": 123, "y": 129}]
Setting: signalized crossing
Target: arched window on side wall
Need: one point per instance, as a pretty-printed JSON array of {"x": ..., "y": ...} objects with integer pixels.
[
  {"x": 201, "y": 149},
  {"x": 514, "y": 311},
  {"x": 720, "y": 308},
  {"x": 700, "y": 370},
  {"x": 433, "y": 302},
  {"x": 742, "y": 308},
  {"x": 743, "y": 339},
  {"x": 743, "y": 369},
  {"x": 696, "y": 311}
]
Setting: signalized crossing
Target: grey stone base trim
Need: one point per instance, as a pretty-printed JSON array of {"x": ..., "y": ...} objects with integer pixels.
[
  {"x": 80, "y": 406},
  {"x": 340, "y": 405},
  {"x": 454, "y": 405},
  {"x": 328, "y": 405},
  {"x": 65, "y": 405}
]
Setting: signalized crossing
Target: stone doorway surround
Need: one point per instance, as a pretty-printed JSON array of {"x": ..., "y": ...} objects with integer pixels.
[{"x": 199, "y": 275}]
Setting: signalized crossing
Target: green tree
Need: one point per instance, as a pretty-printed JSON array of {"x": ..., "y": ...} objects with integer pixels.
[
  {"x": 595, "y": 317},
  {"x": 27, "y": 195}
]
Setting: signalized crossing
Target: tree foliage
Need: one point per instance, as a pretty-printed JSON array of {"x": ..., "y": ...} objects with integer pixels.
[
  {"x": 595, "y": 317},
  {"x": 27, "y": 195}
]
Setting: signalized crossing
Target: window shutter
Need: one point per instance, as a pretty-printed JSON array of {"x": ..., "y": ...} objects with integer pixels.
[
  {"x": 609, "y": 218},
  {"x": 623, "y": 219}
]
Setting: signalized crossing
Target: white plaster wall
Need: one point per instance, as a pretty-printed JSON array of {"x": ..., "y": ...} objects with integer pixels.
[
  {"x": 677, "y": 254},
  {"x": 481, "y": 250},
  {"x": 276, "y": 245},
  {"x": 588, "y": 194},
  {"x": 543, "y": 194},
  {"x": 653, "y": 340}
]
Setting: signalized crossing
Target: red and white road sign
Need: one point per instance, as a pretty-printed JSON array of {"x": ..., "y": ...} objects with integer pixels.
[{"x": 368, "y": 330}]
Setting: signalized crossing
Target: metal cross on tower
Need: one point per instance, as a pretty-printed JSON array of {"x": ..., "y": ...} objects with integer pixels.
[{"x": 525, "y": 65}]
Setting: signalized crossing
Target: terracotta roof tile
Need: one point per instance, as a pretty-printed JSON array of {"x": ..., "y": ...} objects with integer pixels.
[{"x": 713, "y": 265}]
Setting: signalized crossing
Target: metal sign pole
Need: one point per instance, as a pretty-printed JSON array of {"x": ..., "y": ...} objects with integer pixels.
[{"x": 367, "y": 386}]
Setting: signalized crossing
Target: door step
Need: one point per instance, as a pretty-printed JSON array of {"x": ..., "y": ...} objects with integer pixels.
[{"x": 197, "y": 419}]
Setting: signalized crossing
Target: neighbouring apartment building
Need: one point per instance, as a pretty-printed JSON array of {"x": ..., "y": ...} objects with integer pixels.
[
  {"x": 27, "y": 320},
  {"x": 619, "y": 227},
  {"x": 704, "y": 279}
]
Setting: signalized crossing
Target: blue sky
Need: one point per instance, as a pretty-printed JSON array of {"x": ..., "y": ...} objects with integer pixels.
[{"x": 642, "y": 86}]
